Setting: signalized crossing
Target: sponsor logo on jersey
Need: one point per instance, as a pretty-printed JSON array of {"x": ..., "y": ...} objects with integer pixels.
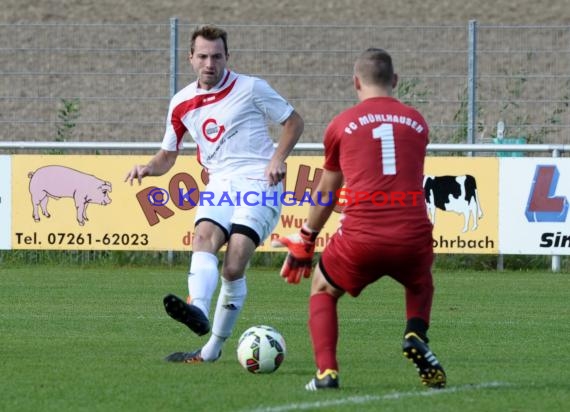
[{"x": 211, "y": 130}]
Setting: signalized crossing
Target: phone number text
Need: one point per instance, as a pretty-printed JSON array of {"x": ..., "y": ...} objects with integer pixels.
[{"x": 81, "y": 239}]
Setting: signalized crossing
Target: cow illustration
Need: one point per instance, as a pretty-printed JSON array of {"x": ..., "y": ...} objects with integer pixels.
[
  {"x": 454, "y": 194},
  {"x": 59, "y": 181}
]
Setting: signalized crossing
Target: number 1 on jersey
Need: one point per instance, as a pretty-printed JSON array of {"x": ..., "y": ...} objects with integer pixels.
[{"x": 385, "y": 132}]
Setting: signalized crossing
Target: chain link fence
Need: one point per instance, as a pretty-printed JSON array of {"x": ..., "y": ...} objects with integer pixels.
[
  {"x": 524, "y": 80},
  {"x": 112, "y": 82}
]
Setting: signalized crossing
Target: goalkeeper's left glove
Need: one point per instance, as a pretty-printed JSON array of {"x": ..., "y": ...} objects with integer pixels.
[{"x": 299, "y": 261}]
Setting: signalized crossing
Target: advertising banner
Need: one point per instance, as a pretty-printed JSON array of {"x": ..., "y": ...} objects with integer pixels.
[
  {"x": 82, "y": 202},
  {"x": 5, "y": 202},
  {"x": 463, "y": 202},
  {"x": 534, "y": 216}
]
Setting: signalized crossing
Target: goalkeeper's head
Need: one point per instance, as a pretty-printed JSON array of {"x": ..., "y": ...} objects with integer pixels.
[{"x": 374, "y": 74}]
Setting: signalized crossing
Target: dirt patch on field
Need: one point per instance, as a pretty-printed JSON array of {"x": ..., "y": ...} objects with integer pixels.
[
  {"x": 124, "y": 76},
  {"x": 353, "y": 12}
]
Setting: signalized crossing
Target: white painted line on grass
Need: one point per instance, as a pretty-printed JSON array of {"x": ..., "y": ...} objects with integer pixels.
[{"x": 352, "y": 400}]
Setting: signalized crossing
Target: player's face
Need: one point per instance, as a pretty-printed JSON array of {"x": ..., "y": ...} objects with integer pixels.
[{"x": 208, "y": 61}]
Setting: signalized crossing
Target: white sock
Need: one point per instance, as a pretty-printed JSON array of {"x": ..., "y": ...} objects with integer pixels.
[
  {"x": 203, "y": 280},
  {"x": 230, "y": 302}
]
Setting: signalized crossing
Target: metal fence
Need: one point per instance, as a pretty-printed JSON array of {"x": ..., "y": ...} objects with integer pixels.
[{"x": 112, "y": 82}]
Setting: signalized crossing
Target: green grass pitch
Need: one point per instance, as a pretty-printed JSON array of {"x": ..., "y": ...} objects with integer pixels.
[{"x": 93, "y": 339}]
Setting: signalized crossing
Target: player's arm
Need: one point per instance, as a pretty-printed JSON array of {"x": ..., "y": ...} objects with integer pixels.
[
  {"x": 290, "y": 133},
  {"x": 160, "y": 164}
]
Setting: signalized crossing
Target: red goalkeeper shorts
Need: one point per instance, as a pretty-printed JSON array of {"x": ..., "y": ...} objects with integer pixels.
[{"x": 351, "y": 266}]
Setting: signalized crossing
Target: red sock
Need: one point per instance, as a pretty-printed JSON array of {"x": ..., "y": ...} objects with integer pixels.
[
  {"x": 323, "y": 326},
  {"x": 419, "y": 297}
]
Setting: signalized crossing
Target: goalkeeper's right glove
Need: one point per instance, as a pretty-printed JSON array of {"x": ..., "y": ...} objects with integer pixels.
[{"x": 299, "y": 261}]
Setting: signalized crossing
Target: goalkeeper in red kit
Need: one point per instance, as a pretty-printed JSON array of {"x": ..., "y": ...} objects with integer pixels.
[{"x": 377, "y": 145}]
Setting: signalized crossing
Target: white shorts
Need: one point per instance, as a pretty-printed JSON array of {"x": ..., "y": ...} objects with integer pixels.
[{"x": 242, "y": 201}]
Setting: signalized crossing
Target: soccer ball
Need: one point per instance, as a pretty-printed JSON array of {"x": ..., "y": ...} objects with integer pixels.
[{"x": 261, "y": 349}]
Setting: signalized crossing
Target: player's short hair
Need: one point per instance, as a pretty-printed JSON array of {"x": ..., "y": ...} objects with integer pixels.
[
  {"x": 374, "y": 66},
  {"x": 209, "y": 32}
]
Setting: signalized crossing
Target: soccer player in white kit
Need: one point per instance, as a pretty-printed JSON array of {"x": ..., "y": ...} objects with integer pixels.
[{"x": 226, "y": 114}]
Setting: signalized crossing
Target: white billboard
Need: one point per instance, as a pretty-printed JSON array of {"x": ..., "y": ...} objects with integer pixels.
[
  {"x": 534, "y": 199},
  {"x": 5, "y": 202}
]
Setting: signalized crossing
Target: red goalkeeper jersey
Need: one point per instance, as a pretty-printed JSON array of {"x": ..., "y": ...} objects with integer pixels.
[{"x": 380, "y": 147}]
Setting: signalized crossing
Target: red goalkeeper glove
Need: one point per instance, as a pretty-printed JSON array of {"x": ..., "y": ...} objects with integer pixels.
[{"x": 299, "y": 261}]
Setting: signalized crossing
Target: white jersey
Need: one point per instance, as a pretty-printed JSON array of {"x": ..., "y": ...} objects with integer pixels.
[{"x": 228, "y": 123}]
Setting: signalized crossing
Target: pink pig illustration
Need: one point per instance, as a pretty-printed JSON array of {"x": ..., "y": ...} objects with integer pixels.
[{"x": 59, "y": 181}]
